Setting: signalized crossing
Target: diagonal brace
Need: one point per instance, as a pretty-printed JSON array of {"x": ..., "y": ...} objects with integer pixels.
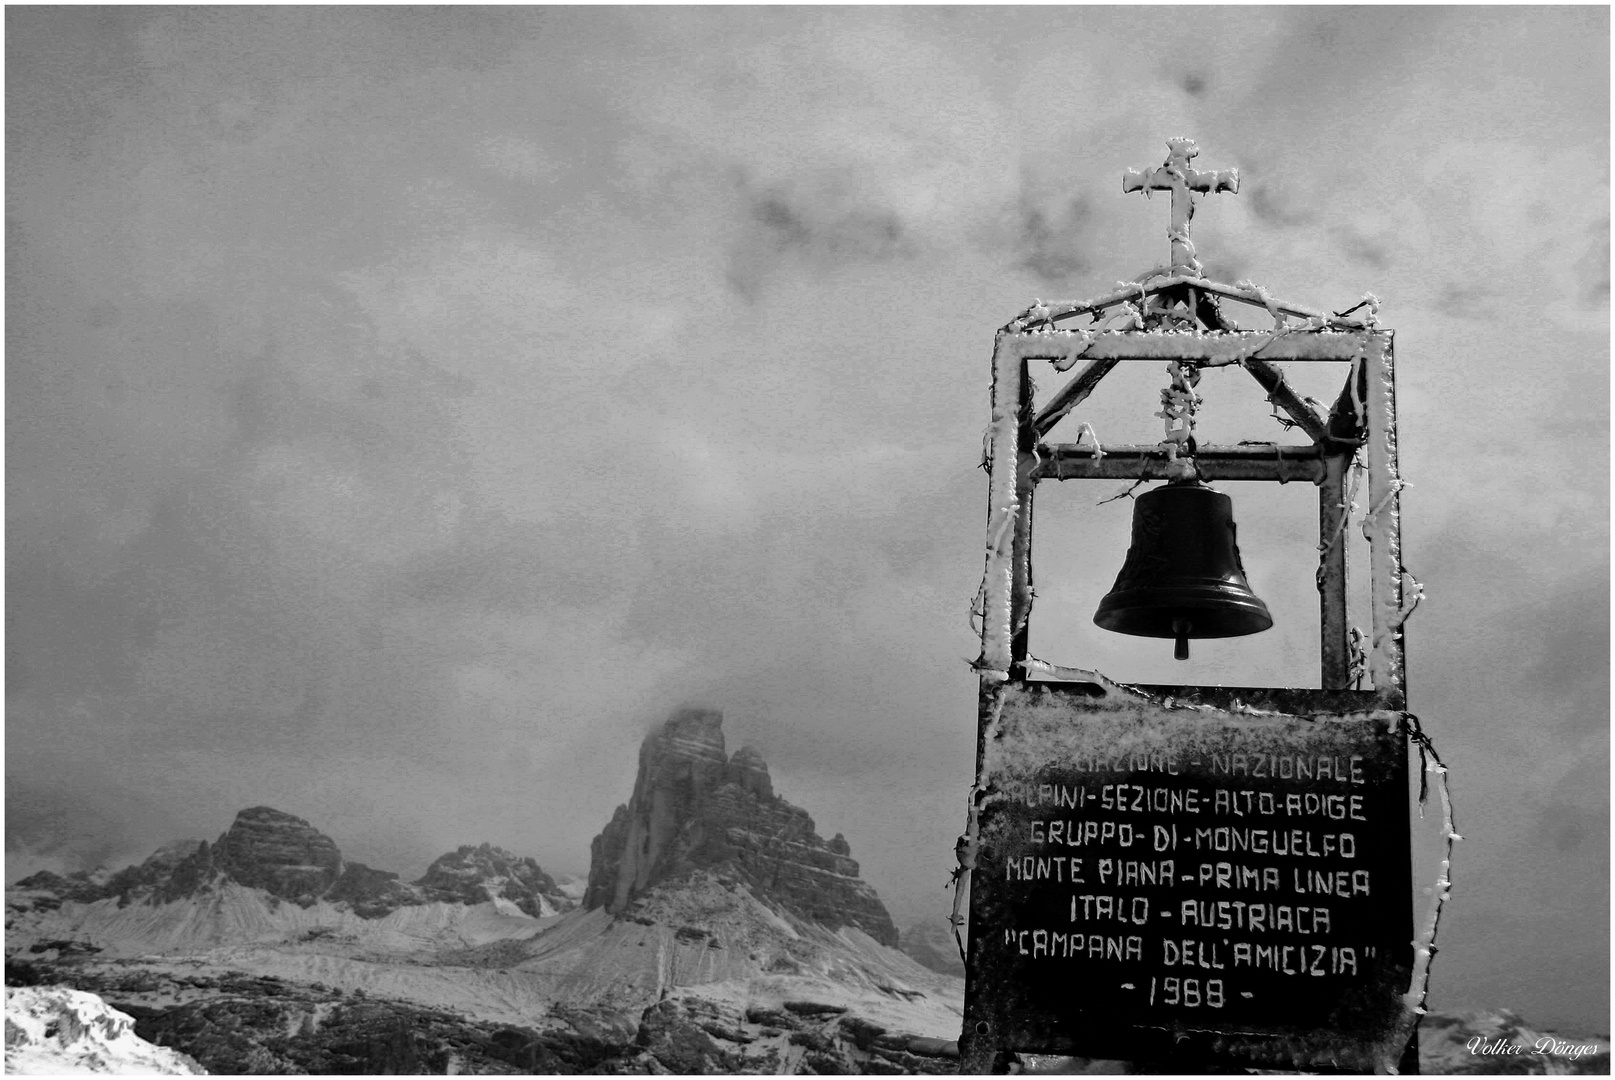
[
  {"x": 1072, "y": 394},
  {"x": 1280, "y": 394}
]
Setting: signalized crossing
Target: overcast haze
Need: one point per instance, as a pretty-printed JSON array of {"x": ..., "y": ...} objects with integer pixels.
[{"x": 406, "y": 409}]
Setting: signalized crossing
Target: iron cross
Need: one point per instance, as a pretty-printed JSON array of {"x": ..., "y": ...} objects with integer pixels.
[{"x": 1176, "y": 176}]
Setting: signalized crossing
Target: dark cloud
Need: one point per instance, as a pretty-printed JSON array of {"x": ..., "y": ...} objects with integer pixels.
[
  {"x": 1463, "y": 298},
  {"x": 822, "y": 222},
  {"x": 776, "y": 215},
  {"x": 1273, "y": 200},
  {"x": 1373, "y": 252}
]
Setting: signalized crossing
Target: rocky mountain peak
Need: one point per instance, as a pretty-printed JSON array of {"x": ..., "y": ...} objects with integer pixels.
[
  {"x": 686, "y": 750},
  {"x": 695, "y": 808},
  {"x": 476, "y": 874},
  {"x": 280, "y": 853}
]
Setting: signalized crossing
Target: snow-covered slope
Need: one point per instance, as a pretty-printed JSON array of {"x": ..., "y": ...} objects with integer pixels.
[
  {"x": 235, "y": 915},
  {"x": 704, "y": 936},
  {"x": 56, "y": 1031},
  {"x": 711, "y": 938},
  {"x": 701, "y": 974}
]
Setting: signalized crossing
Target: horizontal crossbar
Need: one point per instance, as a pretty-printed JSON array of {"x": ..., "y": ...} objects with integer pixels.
[
  {"x": 1256, "y": 461},
  {"x": 1214, "y": 349}
]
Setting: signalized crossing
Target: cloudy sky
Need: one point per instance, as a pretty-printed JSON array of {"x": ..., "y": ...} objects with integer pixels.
[{"x": 407, "y": 408}]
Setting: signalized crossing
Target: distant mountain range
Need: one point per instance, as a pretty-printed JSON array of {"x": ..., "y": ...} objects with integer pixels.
[
  {"x": 287, "y": 858},
  {"x": 717, "y": 932}
]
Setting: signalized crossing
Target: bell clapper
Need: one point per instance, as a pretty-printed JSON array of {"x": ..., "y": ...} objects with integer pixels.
[{"x": 1181, "y": 628}]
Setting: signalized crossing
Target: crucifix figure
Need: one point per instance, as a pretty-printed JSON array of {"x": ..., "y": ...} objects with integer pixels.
[{"x": 1176, "y": 176}]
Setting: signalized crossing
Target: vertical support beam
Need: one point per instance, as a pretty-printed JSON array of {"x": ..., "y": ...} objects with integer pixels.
[
  {"x": 1383, "y": 527},
  {"x": 998, "y": 623},
  {"x": 1005, "y": 597},
  {"x": 1026, "y": 462},
  {"x": 1334, "y": 631}
]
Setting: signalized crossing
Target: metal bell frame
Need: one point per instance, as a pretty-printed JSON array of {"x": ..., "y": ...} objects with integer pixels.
[{"x": 1364, "y": 414}]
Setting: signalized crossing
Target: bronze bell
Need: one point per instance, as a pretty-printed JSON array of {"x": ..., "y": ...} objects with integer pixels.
[{"x": 1183, "y": 578}]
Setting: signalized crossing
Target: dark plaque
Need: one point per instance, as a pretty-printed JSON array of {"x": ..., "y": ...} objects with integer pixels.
[{"x": 1162, "y": 882}]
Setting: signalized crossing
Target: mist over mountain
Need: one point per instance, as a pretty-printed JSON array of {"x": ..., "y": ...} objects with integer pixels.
[{"x": 62, "y": 815}]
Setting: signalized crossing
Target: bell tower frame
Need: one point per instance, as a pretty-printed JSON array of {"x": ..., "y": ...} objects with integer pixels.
[
  {"x": 1364, "y": 416},
  {"x": 1043, "y": 726}
]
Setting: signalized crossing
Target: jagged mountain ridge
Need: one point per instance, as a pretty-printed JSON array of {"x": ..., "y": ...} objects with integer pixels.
[
  {"x": 286, "y": 857},
  {"x": 694, "y": 807}
]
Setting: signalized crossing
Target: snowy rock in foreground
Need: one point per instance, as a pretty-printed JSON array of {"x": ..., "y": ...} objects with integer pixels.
[{"x": 52, "y": 1031}]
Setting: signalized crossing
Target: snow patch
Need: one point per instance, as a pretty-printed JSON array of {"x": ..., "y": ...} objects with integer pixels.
[{"x": 55, "y": 1031}]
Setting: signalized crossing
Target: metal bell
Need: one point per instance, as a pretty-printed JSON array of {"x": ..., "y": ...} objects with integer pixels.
[{"x": 1183, "y": 577}]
